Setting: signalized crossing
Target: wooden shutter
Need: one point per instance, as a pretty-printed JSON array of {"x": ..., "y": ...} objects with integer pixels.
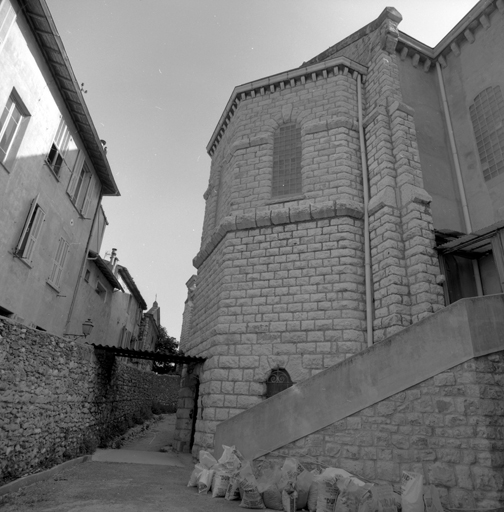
[
  {"x": 72, "y": 154},
  {"x": 59, "y": 263},
  {"x": 7, "y": 17},
  {"x": 26, "y": 225},
  {"x": 79, "y": 162},
  {"x": 33, "y": 233},
  {"x": 89, "y": 196}
]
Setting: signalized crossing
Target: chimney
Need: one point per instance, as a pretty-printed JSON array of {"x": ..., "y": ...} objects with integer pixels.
[{"x": 113, "y": 260}]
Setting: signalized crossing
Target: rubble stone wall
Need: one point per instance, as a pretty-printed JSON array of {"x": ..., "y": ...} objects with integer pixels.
[
  {"x": 58, "y": 399},
  {"x": 450, "y": 428}
]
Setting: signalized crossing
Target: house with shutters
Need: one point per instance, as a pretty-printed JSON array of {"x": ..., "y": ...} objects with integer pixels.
[{"x": 54, "y": 173}]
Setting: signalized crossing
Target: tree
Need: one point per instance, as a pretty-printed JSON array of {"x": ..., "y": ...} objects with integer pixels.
[{"x": 165, "y": 344}]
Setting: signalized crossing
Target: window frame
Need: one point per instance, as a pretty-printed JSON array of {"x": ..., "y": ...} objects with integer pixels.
[
  {"x": 8, "y": 155},
  {"x": 287, "y": 156},
  {"x": 59, "y": 148},
  {"x": 277, "y": 381},
  {"x": 487, "y": 118},
  {"x": 101, "y": 290},
  {"x": 30, "y": 234}
]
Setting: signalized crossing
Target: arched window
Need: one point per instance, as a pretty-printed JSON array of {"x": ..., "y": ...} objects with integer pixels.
[
  {"x": 278, "y": 380},
  {"x": 487, "y": 116},
  {"x": 286, "y": 161}
]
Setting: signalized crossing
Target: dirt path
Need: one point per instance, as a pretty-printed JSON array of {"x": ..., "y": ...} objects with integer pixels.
[
  {"x": 158, "y": 436},
  {"x": 120, "y": 487}
]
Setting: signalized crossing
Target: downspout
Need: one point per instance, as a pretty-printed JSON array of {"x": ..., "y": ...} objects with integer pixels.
[
  {"x": 458, "y": 173},
  {"x": 81, "y": 272},
  {"x": 367, "y": 242}
]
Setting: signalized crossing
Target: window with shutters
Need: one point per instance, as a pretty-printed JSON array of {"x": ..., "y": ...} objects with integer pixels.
[
  {"x": 286, "y": 179},
  {"x": 59, "y": 148},
  {"x": 81, "y": 188},
  {"x": 487, "y": 116},
  {"x": 101, "y": 291},
  {"x": 7, "y": 17},
  {"x": 13, "y": 122},
  {"x": 58, "y": 264},
  {"x": 31, "y": 231}
]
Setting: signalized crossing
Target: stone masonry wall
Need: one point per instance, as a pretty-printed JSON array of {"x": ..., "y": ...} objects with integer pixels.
[
  {"x": 281, "y": 279},
  {"x": 291, "y": 296},
  {"x": 57, "y": 399},
  {"x": 450, "y": 428}
]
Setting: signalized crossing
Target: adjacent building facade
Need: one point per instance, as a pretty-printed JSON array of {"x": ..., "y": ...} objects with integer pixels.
[
  {"x": 54, "y": 173},
  {"x": 348, "y": 199}
]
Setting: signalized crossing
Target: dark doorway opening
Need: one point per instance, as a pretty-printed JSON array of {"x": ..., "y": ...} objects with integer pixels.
[{"x": 194, "y": 412}]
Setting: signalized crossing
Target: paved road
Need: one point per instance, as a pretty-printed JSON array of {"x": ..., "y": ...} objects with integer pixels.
[{"x": 134, "y": 482}]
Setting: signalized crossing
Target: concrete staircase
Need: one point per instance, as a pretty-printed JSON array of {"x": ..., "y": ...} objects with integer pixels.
[{"x": 467, "y": 329}]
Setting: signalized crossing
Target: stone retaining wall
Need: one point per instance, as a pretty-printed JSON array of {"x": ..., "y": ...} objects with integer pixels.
[
  {"x": 450, "y": 428},
  {"x": 59, "y": 398}
]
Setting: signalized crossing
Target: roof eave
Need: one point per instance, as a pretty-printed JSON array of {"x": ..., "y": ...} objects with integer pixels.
[
  {"x": 130, "y": 283},
  {"x": 37, "y": 12},
  {"x": 105, "y": 270}
]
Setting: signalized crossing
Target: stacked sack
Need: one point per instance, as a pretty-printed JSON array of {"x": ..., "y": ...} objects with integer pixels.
[
  {"x": 292, "y": 487},
  {"x": 216, "y": 475}
]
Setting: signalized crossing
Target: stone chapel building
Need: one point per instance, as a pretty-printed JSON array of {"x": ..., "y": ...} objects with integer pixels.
[{"x": 348, "y": 199}]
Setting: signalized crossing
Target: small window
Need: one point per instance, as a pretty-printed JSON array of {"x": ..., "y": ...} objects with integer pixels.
[
  {"x": 87, "y": 275},
  {"x": 30, "y": 234},
  {"x": 278, "y": 380},
  {"x": 101, "y": 291},
  {"x": 13, "y": 122},
  {"x": 59, "y": 147},
  {"x": 58, "y": 263},
  {"x": 286, "y": 179}
]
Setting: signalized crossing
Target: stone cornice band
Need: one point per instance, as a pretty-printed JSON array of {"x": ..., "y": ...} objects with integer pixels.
[
  {"x": 296, "y": 213},
  {"x": 463, "y": 32}
]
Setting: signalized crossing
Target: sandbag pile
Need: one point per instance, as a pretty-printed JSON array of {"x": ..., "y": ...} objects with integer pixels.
[{"x": 292, "y": 487}]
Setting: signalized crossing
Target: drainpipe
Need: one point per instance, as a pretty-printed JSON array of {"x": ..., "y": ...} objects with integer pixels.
[
  {"x": 458, "y": 173},
  {"x": 367, "y": 242},
  {"x": 81, "y": 272}
]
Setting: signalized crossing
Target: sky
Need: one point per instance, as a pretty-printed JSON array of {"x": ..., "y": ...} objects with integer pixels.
[{"x": 158, "y": 75}]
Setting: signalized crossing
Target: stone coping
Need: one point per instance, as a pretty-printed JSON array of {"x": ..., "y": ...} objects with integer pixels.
[
  {"x": 465, "y": 330},
  {"x": 339, "y": 65},
  {"x": 295, "y": 213}
]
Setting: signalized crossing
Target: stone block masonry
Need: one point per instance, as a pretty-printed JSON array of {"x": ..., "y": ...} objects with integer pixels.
[
  {"x": 58, "y": 399},
  {"x": 281, "y": 278},
  {"x": 450, "y": 428}
]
